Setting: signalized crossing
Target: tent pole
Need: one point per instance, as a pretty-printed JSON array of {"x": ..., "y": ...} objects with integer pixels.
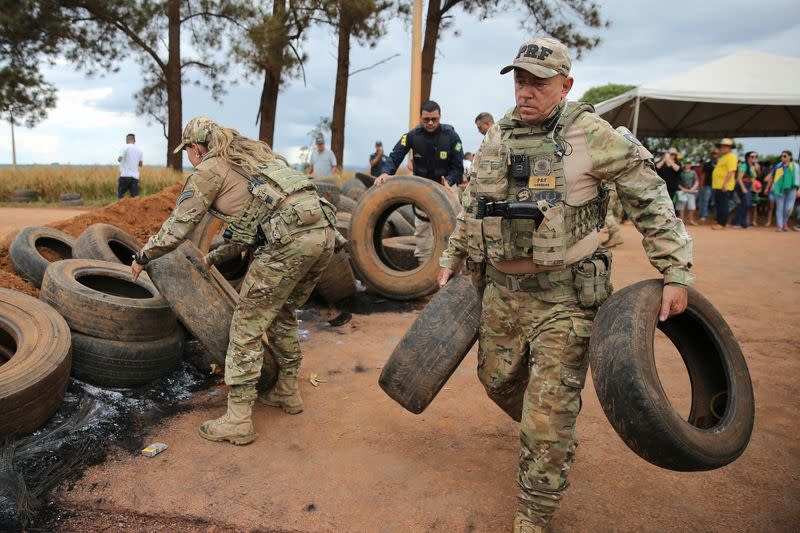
[{"x": 636, "y": 116}]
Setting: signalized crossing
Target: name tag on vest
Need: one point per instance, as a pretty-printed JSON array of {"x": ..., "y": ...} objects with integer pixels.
[{"x": 542, "y": 182}]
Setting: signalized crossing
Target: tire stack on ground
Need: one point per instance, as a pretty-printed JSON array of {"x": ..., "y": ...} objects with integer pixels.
[
  {"x": 353, "y": 189},
  {"x": 70, "y": 199},
  {"x": 34, "y": 362},
  {"x": 35, "y": 247},
  {"x": 124, "y": 334},
  {"x": 24, "y": 196}
]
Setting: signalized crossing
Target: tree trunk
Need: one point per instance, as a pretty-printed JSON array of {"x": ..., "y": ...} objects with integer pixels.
[
  {"x": 433, "y": 20},
  {"x": 273, "y": 72},
  {"x": 340, "y": 95},
  {"x": 173, "y": 79},
  {"x": 268, "y": 106}
]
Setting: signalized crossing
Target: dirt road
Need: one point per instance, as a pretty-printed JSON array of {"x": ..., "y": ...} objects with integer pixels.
[
  {"x": 354, "y": 461},
  {"x": 20, "y": 217}
]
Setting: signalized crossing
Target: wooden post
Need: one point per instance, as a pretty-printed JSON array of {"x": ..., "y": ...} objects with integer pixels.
[
  {"x": 416, "y": 65},
  {"x": 13, "y": 142},
  {"x": 636, "y": 116}
]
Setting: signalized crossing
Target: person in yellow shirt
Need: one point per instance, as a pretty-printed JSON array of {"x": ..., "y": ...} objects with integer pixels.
[{"x": 723, "y": 181}]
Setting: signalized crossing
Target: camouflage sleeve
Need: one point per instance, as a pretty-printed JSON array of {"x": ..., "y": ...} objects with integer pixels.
[
  {"x": 456, "y": 250},
  {"x": 198, "y": 194},
  {"x": 617, "y": 156},
  {"x": 224, "y": 252}
]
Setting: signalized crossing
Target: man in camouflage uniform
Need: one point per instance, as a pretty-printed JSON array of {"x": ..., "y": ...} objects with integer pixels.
[
  {"x": 610, "y": 235},
  {"x": 527, "y": 232},
  {"x": 292, "y": 234}
]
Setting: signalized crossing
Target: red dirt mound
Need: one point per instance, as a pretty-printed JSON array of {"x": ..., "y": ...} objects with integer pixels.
[{"x": 141, "y": 217}]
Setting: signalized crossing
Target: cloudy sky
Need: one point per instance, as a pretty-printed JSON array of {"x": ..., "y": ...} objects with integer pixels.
[{"x": 648, "y": 40}]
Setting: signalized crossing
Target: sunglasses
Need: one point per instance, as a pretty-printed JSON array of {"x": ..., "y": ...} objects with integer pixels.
[{"x": 427, "y": 120}]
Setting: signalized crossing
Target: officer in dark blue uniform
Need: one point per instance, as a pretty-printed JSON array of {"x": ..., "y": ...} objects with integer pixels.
[
  {"x": 437, "y": 149},
  {"x": 437, "y": 156}
]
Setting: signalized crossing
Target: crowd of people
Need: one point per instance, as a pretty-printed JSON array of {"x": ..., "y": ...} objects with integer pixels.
[{"x": 742, "y": 192}]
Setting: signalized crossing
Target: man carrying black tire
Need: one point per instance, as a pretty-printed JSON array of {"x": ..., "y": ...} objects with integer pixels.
[{"x": 528, "y": 233}]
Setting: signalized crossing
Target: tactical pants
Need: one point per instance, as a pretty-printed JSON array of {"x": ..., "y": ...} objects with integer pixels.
[
  {"x": 423, "y": 239},
  {"x": 277, "y": 283},
  {"x": 532, "y": 361}
]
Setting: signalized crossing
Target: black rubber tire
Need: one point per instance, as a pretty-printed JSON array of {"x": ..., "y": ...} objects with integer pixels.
[
  {"x": 366, "y": 179},
  {"x": 338, "y": 281},
  {"x": 353, "y": 189},
  {"x": 33, "y": 381},
  {"x": 203, "y": 300},
  {"x": 399, "y": 252},
  {"x": 24, "y": 195},
  {"x": 72, "y": 203},
  {"x": 328, "y": 190},
  {"x": 98, "y": 298},
  {"x": 626, "y": 380},
  {"x": 25, "y": 250},
  {"x": 345, "y": 204},
  {"x": 106, "y": 243},
  {"x": 400, "y": 227},
  {"x": 343, "y": 224},
  {"x": 367, "y": 223},
  {"x": 67, "y": 196},
  {"x": 432, "y": 348},
  {"x": 407, "y": 212},
  {"x": 110, "y": 363}
]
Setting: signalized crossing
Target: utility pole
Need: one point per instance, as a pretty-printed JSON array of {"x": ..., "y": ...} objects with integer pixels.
[
  {"x": 13, "y": 142},
  {"x": 416, "y": 65}
]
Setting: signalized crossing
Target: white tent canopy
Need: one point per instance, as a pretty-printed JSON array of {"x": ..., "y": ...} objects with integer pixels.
[{"x": 746, "y": 94}]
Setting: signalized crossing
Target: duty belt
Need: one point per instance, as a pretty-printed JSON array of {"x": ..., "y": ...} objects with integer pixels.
[{"x": 528, "y": 283}]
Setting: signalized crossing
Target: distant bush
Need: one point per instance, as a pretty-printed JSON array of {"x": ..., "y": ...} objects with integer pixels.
[{"x": 96, "y": 185}]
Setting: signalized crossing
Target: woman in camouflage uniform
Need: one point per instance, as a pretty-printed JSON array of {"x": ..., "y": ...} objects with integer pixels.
[{"x": 275, "y": 211}]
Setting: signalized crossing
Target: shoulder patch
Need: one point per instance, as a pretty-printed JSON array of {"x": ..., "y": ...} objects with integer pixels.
[
  {"x": 628, "y": 135},
  {"x": 185, "y": 195},
  {"x": 404, "y": 139},
  {"x": 458, "y": 147}
]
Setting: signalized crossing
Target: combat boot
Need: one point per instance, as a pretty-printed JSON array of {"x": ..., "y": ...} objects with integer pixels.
[
  {"x": 235, "y": 426},
  {"x": 613, "y": 240},
  {"x": 285, "y": 394},
  {"x": 523, "y": 524}
]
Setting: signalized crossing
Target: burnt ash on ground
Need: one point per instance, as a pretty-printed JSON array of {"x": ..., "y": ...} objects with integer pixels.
[{"x": 90, "y": 422}]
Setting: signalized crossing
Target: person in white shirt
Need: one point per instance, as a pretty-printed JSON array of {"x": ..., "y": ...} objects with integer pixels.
[
  {"x": 130, "y": 160},
  {"x": 323, "y": 160}
]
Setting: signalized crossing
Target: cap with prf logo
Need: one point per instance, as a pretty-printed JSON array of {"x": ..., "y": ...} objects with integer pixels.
[{"x": 544, "y": 58}]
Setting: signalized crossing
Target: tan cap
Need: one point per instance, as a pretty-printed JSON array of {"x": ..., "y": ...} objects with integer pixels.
[
  {"x": 197, "y": 130},
  {"x": 543, "y": 58},
  {"x": 726, "y": 142}
]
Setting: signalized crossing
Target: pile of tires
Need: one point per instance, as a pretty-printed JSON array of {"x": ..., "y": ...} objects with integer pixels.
[
  {"x": 70, "y": 199},
  {"x": 24, "y": 196},
  {"x": 34, "y": 362},
  {"x": 124, "y": 334},
  {"x": 35, "y": 247}
]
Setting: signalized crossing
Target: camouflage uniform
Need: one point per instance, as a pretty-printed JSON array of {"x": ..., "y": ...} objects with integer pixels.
[
  {"x": 280, "y": 278},
  {"x": 613, "y": 216},
  {"x": 538, "y": 300}
]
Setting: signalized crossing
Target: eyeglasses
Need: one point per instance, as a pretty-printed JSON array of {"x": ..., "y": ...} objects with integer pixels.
[{"x": 431, "y": 120}]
